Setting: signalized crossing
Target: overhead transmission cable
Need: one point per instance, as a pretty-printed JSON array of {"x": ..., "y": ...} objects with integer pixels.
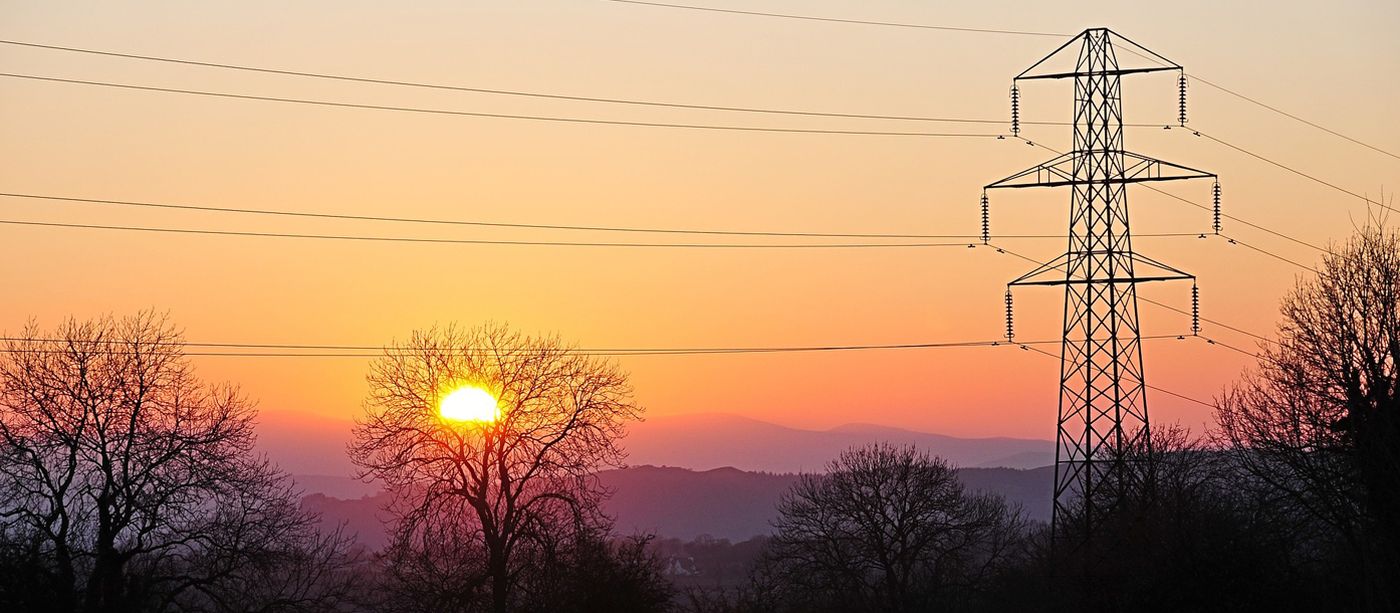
[
  {"x": 545, "y": 118},
  {"x": 1235, "y": 241},
  {"x": 493, "y": 224},
  {"x": 634, "y": 352},
  {"x": 471, "y": 241},
  {"x": 709, "y": 9},
  {"x": 627, "y": 101},
  {"x": 509, "y": 92},
  {"x": 1295, "y": 117},
  {"x": 1247, "y": 352},
  {"x": 1295, "y": 171},
  {"x": 362, "y": 351},
  {"x": 1145, "y": 384},
  {"x": 1009, "y": 32}
]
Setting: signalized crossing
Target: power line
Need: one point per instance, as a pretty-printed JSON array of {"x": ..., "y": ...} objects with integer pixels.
[
  {"x": 340, "y": 350},
  {"x": 1257, "y": 156},
  {"x": 492, "y": 224},
  {"x": 1236, "y": 94},
  {"x": 379, "y": 218},
  {"x": 548, "y": 118},
  {"x": 1239, "y": 220},
  {"x": 1235, "y": 241},
  {"x": 409, "y": 239},
  {"x": 1247, "y": 352},
  {"x": 508, "y": 92},
  {"x": 1013, "y": 32},
  {"x": 1295, "y": 171},
  {"x": 1294, "y": 117},
  {"x": 1147, "y": 385},
  {"x": 839, "y": 20},
  {"x": 1208, "y": 320}
]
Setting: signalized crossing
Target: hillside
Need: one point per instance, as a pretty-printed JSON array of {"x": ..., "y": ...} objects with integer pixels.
[
  {"x": 713, "y": 440},
  {"x": 681, "y": 503},
  {"x": 701, "y": 441}
]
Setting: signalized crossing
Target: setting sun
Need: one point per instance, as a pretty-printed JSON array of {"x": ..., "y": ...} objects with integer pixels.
[{"x": 469, "y": 404}]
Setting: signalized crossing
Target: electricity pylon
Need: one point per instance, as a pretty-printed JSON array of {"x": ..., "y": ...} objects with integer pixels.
[{"x": 1103, "y": 409}]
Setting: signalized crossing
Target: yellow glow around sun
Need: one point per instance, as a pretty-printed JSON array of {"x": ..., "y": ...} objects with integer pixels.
[{"x": 469, "y": 404}]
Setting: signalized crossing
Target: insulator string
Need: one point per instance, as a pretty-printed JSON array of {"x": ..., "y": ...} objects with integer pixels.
[
  {"x": 986, "y": 220},
  {"x": 1181, "y": 99},
  {"x": 1215, "y": 212},
  {"x": 1010, "y": 329},
  {"x": 1015, "y": 110},
  {"x": 1195, "y": 310}
]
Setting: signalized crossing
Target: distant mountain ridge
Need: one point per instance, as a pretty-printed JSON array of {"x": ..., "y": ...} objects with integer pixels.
[
  {"x": 700, "y": 441},
  {"x": 713, "y": 440},
  {"x": 681, "y": 503}
]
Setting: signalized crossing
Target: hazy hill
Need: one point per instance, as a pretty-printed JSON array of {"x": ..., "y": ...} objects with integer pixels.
[
  {"x": 712, "y": 440},
  {"x": 699, "y": 441},
  {"x": 681, "y": 503}
]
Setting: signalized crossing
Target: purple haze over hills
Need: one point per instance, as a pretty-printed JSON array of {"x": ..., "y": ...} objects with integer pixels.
[
  {"x": 714, "y": 440},
  {"x": 698, "y": 441},
  {"x": 690, "y": 475},
  {"x": 681, "y": 503}
]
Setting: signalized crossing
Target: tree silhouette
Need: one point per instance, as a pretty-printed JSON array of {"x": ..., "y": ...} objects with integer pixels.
[
  {"x": 127, "y": 484},
  {"x": 590, "y": 573},
  {"x": 1186, "y": 533},
  {"x": 480, "y": 504},
  {"x": 885, "y": 529},
  {"x": 1318, "y": 418}
]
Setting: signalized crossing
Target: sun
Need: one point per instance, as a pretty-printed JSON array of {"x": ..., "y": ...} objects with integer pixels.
[{"x": 469, "y": 404}]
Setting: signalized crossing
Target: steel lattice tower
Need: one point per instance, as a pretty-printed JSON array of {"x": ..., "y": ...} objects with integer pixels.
[{"x": 1103, "y": 409}]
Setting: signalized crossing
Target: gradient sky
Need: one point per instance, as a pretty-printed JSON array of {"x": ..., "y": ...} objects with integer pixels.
[{"x": 1334, "y": 63}]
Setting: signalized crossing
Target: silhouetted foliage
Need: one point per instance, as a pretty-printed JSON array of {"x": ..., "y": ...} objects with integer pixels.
[
  {"x": 126, "y": 484},
  {"x": 590, "y": 573},
  {"x": 1317, "y": 421},
  {"x": 487, "y": 509},
  {"x": 707, "y": 563},
  {"x": 1188, "y": 535},
  {"x": 884, "y": 529}
]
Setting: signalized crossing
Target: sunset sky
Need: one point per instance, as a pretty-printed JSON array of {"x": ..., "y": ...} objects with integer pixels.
[{"x": 1332, "y": 63}]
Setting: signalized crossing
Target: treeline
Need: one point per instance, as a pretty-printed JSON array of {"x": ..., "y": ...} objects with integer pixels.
[
  {"x": 888, "y": 529},
  {"x": 1292, "y": 503},
  {"x": 129, "y": 485}
]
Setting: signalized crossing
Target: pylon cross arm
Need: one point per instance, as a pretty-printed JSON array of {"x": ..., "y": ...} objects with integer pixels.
[
  {"x": 1060, "y": 171},
  {"x": 1104, "y": 38},
  {"x": 1097, "y": 73},
  {"x": 1155, "y": 271}
]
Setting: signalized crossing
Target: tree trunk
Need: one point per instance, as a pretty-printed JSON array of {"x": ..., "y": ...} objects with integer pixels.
[
  {"x": 104, "y": 589},
  {"x": 500, "y": 585}
]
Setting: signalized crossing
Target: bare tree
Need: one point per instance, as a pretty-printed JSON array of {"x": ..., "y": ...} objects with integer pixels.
[
  {"x": 134, "y": 486},
  {"x": 1318, "y": 418},
  {"x": 886, "y": 529},
  {"x": 479, "y": 500}
]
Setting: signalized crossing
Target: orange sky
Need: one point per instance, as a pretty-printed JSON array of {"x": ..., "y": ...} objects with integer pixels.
[{"x": 1335, "y": 65}]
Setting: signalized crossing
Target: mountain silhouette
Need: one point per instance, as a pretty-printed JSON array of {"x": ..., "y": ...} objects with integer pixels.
[
  {"x": 700, "y": 441},
  {"x": 712, "y": 440},
  {"x": 681, "y": 503}
]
